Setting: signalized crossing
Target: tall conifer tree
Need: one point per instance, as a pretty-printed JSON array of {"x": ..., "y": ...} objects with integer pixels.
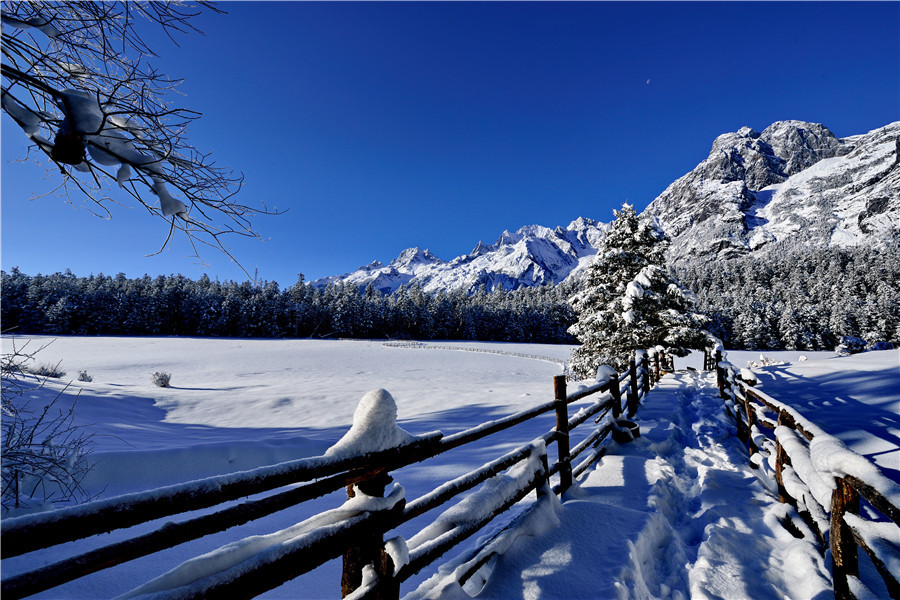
[{"x": 628, "y": 301}]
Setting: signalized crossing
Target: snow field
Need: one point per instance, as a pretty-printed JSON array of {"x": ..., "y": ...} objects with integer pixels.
[
  {"x": 854, "y": 398},
  {"x": 676, "y": 513},
  {"x": 241, "y": 404}
]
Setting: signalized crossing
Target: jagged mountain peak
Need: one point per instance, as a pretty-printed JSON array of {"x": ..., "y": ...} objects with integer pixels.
[
  {"x": 523, "y": 233},
  {"x": 479, "y": 249},
  {"x": 583, "y": 224},
  {"x": 801, "y": 144},
  {"x": 760, "y": 159},
  {"x": 793, "y": 181},
  {"x": 532, "y": 255},
  {"x": 414, "y": 256}
]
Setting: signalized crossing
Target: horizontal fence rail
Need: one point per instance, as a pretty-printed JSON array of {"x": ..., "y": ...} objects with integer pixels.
[
  {"x": 820, "y": 477},
  {"x": 357, "y": 530}
]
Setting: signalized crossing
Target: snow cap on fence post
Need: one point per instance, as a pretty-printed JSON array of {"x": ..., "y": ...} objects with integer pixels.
[
  {"x": 606, "y": 373},
  {"x": 374, "y": 427}
]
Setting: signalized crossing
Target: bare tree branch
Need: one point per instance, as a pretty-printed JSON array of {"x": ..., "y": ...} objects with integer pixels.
[{"x": 75, "y": 79}]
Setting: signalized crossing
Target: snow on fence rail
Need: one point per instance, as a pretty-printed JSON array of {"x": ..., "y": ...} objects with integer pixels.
[
  {"x": 820, "y": 477},
  {"x": 373, "y": 567}
]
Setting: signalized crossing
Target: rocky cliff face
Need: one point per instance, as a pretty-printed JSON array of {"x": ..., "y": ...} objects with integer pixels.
[{"x": 794, "y": 182}]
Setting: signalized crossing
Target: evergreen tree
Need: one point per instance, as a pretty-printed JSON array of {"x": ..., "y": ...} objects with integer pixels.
[{"x": 628, "y": 300}]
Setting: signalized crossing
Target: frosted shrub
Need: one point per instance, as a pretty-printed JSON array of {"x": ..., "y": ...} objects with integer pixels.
[
  {"x": 83, "y": 376},
  {"x": 880, "y": 346},
  {"x": 161, "y": 379},
  {"x": 764, "y": 361},
  {"x": 850, "y": 344},
  {"x": 48, "y": 370}
]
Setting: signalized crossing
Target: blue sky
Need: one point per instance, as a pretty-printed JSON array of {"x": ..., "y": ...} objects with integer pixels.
[{"x": 381, "y": 126}]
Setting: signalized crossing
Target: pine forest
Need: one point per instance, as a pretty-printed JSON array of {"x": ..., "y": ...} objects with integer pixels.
[{"x": 793, "y": 299}]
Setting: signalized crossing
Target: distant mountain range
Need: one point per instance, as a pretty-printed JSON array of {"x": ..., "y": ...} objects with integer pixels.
[
  {"x": 533, "y": 255},
  {"x": 794, "y": 183}
]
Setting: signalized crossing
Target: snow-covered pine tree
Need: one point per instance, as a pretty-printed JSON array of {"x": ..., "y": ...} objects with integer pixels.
[{"x": 627, "y": 300}]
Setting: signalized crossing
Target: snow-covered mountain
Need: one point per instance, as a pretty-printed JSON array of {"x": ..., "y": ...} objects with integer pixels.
[
  {"x": 794, "y": 182},
  {"x": 533, "y": 255}
]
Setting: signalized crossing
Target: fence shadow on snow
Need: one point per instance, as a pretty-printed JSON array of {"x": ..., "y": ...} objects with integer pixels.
[{"x": 821, "y": 478}]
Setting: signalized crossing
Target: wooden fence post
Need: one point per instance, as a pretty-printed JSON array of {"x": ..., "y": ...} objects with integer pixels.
[
  {"x": 562, "y": 428},
  {"x": 616, "y": 393},
  {"x": 780, "y": 458},
  {"x": 844, "y": 557},
  {"x": 370, "y": 548},
  {"x": 720, "y": 375},
  {"x": 632, "y": 388},
  {"x": 388, "y": 587},
  {"x": 646, "y": 376},
  {"x": 656, "y": 368},
  {"x": 752, "y": 448}
]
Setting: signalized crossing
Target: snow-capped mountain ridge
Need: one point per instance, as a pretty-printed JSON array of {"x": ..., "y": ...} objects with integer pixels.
[
  {"x": 794, "y": 182},
  {"x": 532, "y": 255},
  {"x": 415, "y": 257}
]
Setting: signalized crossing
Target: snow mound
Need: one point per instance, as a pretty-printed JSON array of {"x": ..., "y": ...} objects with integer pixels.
[
  {"x": 764, "y": 361},
  {"x": 605, "y": 373},
  {"x": 749, "y": 376},
  {"x": 374, "y": 427}
]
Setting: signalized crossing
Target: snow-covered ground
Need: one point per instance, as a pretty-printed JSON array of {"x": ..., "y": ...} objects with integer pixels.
[
  {"x": 855, "y": 398},
  {"x": 675, "y": 514},
  {"x": 661, "y": 516}
]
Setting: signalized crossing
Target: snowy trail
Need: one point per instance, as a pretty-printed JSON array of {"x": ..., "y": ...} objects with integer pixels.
[{"x": 677, "y": 513}]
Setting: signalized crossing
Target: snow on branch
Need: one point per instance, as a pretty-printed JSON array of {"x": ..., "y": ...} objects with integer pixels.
[{"x": 76, "y": 81}]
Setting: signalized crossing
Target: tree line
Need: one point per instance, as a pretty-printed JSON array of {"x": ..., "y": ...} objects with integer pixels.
[
  {"x": 790, "y": 299},
  {"x": 65, "y": 304}
]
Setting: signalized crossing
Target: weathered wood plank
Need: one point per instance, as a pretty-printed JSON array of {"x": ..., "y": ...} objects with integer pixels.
[
  {"x": 168, "y": 536},
  {"x": 890, "y": 579},
  {"x": 562, "y": 429},
  {"x": 875, "y": 498},
  {"x": 843, "y": 545},
  {"x": 27, "y": 534}
]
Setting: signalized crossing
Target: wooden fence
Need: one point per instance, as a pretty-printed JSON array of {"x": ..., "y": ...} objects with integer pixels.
[
  {"x": 819, "y": 477},
  {"x": 360, "y": 540}
]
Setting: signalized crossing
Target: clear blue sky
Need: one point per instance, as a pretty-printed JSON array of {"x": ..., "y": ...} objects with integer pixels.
[{"x": 382, "y": 126}]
